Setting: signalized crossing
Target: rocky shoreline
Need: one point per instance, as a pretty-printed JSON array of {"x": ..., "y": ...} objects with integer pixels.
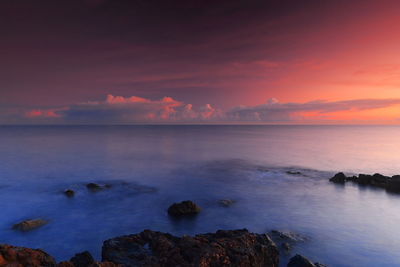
[
  {"x": 389, "y": 183},
  {"x": 150, "y": 248}
]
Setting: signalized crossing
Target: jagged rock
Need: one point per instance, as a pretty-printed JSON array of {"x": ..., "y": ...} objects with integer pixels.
[
  {"x": 226, "y": 202},
  {"x": 21, "y": 257},
  {"x": 28, "y": 225},
  {"x": 184, "y": 208},
  {"x": 300, "y": 261},
  {"x": 69, "y": 193},
  {"x": 339, "y": 178},
  {"x": 224, "y": 248},
  {"x": 83, "y": 259}
]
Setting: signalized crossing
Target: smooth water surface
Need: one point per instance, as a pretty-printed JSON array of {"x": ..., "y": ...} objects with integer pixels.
[{"x": 151, "y": 167}]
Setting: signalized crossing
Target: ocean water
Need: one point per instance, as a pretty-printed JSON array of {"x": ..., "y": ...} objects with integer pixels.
[{"x": 150, "y": 167}]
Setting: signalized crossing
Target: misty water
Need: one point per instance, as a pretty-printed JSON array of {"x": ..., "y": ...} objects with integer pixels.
[{"x": 150, "y": 167}]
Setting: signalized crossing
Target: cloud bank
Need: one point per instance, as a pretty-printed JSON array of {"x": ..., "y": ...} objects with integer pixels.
[{"x": 135, "y": 109}]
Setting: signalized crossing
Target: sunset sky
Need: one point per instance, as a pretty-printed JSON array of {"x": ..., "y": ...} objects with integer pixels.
[{"x": 131, "y": 61}]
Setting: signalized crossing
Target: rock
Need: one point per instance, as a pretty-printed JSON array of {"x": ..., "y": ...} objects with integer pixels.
[
  {"x": 285, "y": 239},
  {"x": 29, "y": 224},
  {"x": 83, "y": 259},
  {"x": 339, "y": 178},
  {"x": 300, "y": 261},
  {"x": 20, "y": 257},
  {"x": 224, "y": 248},
  {"x": 226, "y": 202},
  {"x": 184, "y": 208},
  {"x": 69, "y": 193},
  {"x": 286, "y": 246},
  {"x": 393, "y": 184},
  {"x": 352, "y": 178},
  {"x": 294, "y": 173},
  {"x": 364, "y": 179},
  {"x": 65, "y": 264},
  {"x": 93, "y": 187},
  {"x": 379, "y": 180}
]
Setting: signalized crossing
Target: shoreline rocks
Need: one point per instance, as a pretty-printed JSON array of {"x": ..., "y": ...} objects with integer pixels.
[
  {"x": 223, "y": 248},
  {"x": 391, "y": 184},
  {"x": 150, "y": 248},
  {"x": 183, "y": 208},
  {"x": 301, "y": 261}
]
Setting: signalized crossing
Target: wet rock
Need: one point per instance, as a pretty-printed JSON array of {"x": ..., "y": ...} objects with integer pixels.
[
  {"x": 224, "y": 248},
  {"x": 29, "y": 225},
  {"x": 69, "y": 193},
  {"x": 226, "y": 202},
  {"x": 339, "y": 178},
  {"x": 286, "y": 240},
  {"x": 300, "y": 261},
  {"x": 20, "y": 257},
  {"x": 83, "y": 259},
  {"x": 183, "y": 208}
]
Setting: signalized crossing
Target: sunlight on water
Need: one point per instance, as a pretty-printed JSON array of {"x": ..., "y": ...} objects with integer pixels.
[{"x": 150, "y": 167}]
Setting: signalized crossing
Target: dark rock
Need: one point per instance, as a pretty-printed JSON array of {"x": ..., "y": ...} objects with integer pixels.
[
  {"x": 393, "y": 184},
  {"x": 286, "y": 246},
  {"x": 226, "y": 202},
  {"x": 224, "y": 248},
  {"x": 294, "y": 173},
  {"x": 339, "y": 178},
  {"x": 65, "y": 264},
  {"x": 300, "y": 261},
  {"x": 93, "y": 187},
  {"x": 28, "y": 225},
  {"x": 69, "y": 193},
  {"x": 20, "y": 257},
  {"x": 364, "y": 179},
  {"x": 83, "y": 259},
  {"x": 183, "y": 208},
  {"x": 379, "y": 180}
]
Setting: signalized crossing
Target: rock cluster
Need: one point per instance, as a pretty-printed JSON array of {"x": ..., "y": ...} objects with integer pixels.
[
  {"x": 224, "y": 248},
  {"x": 377, "y": 180}
]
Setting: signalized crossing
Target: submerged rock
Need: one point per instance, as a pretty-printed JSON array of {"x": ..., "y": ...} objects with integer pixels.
[
  {"x": 20, "y": 257},
  {"x": 224, "y": 248},
  {"x": 69, "y": 193},
  {"x": 294, "y": 173},
  {"x": 226, "y": 202},
  {"x": 93, "y": 187},
  {"x": 285, "y": 239},
  {"x": 183, "y": 208},
  {"x": 301, "y": 261},
  {"x": 28, "y": 225}
]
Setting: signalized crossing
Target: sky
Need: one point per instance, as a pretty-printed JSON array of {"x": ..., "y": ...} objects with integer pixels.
[{"x": 227, "y": 61}]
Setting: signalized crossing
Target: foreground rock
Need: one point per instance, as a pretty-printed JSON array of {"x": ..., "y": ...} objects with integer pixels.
[
  {"x": 224, "y": 248},
  {"x": 301, "y": 261},
  {"x": 29, "y": 225},
  {"x": 183, "y": 208},
  {"x": 21, "y": 257},
  {"x": 377, "y": 180}
]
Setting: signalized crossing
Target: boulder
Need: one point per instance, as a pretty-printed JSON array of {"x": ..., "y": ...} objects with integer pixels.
[
  {"x": 183, "y": 208},
  {"x": 28, "y": 225},
  {"x": 379, "y": 180},
  {"x": 223, "y": 248},
  {"x": 69, "y": 193},
  {"x": 83, "y": 259},
  {"x": 21, "y": 257},
  {"x": 339, "y": 178}
]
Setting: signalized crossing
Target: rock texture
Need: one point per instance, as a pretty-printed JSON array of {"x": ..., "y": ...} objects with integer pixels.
[
  {"x": 286, "y": 240},
  {"x": 28, "y": 225},
  {"x": 224, "y": 248},
  {"x": 183, "y": 208},
  {"x": 23, "y": 257}
]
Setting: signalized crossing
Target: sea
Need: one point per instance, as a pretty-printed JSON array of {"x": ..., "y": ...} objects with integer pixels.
[{"x": 277, "y": 176}]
